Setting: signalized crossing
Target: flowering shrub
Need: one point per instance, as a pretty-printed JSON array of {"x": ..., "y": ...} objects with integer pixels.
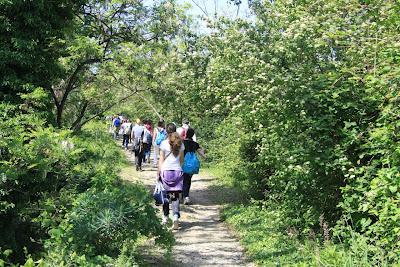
[{"x": 315, "y": 89}]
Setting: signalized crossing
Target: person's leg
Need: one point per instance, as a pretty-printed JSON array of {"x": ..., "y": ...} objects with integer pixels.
[
  {"x": 186, "y": 184},
  {"x": 133, "y": 141},
  {"x": 137, "y": 158},
  {"x": 148, "y": 153},
  {"x": 175, "y": 204},
  {"x": 166, "y": 208},
  {"x": 155, "y": 159},
  {"x": 123, "y": 140},
  {"x": 127, "y": 141},
  {"x": 165, "y": 211},
  {"x": 175, "y": 210},
  {"x": 117, "y": 132},
  {"x": 140, "y": 158},
  {"x": 144, "y": 152}
]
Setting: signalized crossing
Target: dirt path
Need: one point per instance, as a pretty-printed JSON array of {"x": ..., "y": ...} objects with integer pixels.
[{"x": 203, "y": 239}]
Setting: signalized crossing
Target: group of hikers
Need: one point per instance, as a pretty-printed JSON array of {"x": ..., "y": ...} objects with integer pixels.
[
  {"x": 138, "y": 134},
  {"x": 174, "y": 156}
]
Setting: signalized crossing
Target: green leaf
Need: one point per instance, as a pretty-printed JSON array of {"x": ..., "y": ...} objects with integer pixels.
[{"x": 393, "y": 188}]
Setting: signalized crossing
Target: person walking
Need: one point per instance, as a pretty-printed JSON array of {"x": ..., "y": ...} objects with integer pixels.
[
  {"x": 190, "y": 146},
  {"x": 117, "y": 126},
  {"x": 170, "y": 173},
  {"x": 137, "y": 140},
  {"x": 126, "y": 133},
  {"x": 157, "y": 139},
  {"x": 147, "y": 141},
  {"x": 183, "y": 129}
]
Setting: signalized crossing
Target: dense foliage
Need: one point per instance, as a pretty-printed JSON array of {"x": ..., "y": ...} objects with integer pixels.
[
  {"x": 302, "y": 105},
  {"x": 61, "y": 200},
  {"x": 61, "y": 192},
  {"x": 29, "y": 50},
  {"x": 260, "y": 227}
]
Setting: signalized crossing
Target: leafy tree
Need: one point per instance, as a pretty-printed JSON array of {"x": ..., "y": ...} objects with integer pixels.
[
  {"x": 305, "y": 95},
  {"x": 105, "y": 32},
  {"x": 60, "y": 49},
  {"x": 30, "y": 46}
]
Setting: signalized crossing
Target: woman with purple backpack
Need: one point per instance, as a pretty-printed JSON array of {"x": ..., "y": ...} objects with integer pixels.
[{"x": 170, "y": 172}]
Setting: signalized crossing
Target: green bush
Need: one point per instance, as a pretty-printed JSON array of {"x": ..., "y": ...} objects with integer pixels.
[
  {"x": 104, "y": 223},
  {"x": 224, "y": 149},
  {"x": 371, "y": 197},
  {"x": 49, "y": 176},
  {"x": 269, "y": 242},
  {"x": 314, "y": 90}
]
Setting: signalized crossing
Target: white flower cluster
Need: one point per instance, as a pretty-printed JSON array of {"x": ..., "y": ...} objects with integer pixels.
[{"x": 67, "y": 145}]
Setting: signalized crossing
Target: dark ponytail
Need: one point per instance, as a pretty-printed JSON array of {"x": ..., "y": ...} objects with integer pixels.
[{"x": 171, "y": 128}]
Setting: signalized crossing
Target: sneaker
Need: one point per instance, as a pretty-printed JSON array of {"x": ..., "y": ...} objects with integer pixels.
[
  {"x": 175, "y": 222},
  {"x": 164, "y": 220},
  {"x": 186, "y": 201}
]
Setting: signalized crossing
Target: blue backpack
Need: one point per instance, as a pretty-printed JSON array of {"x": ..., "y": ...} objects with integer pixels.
[
  {"x": 162, "y": 135},
  {"x": 191, "y": 163},
  {"x": 117, "y": 123}
]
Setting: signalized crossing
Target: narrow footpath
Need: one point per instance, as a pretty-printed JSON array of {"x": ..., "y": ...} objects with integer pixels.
[{"x": 203, "y": 239}]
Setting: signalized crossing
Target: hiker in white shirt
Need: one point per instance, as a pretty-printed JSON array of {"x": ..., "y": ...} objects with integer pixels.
[{"x": 126, "y": 133}]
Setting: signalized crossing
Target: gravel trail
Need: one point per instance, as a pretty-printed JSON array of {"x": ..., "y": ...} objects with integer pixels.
[{"x": 203, "y": 239}]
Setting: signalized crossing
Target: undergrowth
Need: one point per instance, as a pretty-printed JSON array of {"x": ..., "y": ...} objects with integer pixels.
[
  {"x": 268, "y": 240},
  {"x": 269, "y": 243}
]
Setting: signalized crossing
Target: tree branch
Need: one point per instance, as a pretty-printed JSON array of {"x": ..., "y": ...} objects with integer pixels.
[
  {"x": 79, "y": 125},
  {"x": 204, "y": 11},
  {"x": 70, "y": 87},
  {"x": 148, "y": 102},
  {"x": 53, "y": 94},
  {"x": 119, "y": 10},
  {"x": 81, "y": 115},
  {"x": 138, "y": 94}
]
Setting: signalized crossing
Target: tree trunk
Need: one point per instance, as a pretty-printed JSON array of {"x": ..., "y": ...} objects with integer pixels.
[{"x": 71, "y": 85}]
